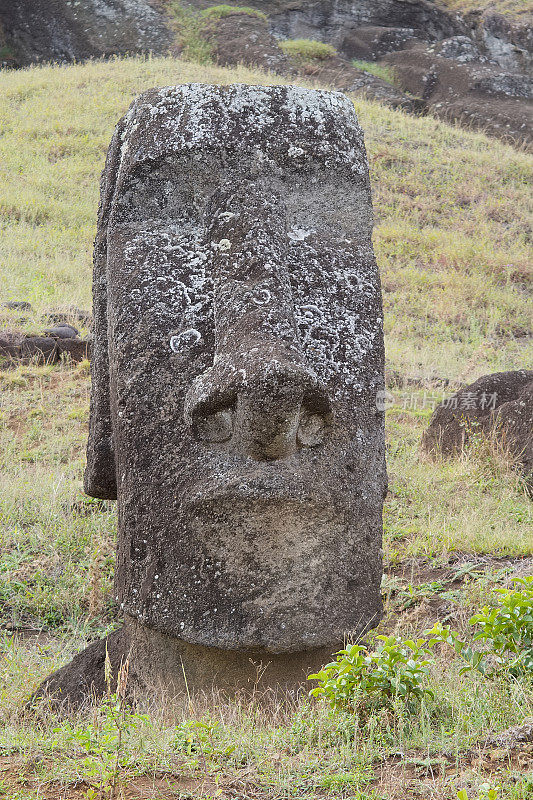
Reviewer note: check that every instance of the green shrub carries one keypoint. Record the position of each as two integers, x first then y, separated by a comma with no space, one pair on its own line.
507,628
360,678
224,10
307,49
379,70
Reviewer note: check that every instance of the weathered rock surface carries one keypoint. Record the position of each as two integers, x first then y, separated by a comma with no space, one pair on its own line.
336,21
500,404
238,351
468,91
37,31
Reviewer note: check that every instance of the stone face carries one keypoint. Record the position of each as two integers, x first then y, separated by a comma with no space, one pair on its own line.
237,354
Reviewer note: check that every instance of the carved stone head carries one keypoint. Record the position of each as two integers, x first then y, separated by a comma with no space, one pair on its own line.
238,352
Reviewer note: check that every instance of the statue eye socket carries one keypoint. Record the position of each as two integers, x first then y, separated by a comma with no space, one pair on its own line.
215,427
311,429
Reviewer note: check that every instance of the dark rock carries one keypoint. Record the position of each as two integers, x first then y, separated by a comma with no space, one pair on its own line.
334,20
62,331
39,31
461,48
245,39
75,349
476,94
10,344
501,403
42,349
17,305
504,40
74,685
250,463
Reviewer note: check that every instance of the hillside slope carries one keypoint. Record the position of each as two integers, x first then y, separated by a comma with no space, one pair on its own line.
452,226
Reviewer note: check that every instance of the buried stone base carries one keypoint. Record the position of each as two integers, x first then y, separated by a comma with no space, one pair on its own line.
164,668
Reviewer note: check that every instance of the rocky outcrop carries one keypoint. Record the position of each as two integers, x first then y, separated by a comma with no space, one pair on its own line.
458,85
336,21
473,69
246,39
39,31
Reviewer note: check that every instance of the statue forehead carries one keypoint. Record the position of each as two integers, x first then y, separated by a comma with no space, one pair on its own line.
259,127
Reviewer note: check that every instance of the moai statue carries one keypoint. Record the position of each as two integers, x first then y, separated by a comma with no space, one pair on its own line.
237,362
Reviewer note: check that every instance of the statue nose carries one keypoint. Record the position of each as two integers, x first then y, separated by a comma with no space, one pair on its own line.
279,412
259,395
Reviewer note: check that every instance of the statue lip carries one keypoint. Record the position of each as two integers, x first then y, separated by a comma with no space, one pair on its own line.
259,493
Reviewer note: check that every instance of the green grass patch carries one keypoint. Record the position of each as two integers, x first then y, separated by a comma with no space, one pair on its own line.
225,10
307,49
379,70
189,30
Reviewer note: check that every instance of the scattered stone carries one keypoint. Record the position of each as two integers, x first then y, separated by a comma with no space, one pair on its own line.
242,382
514,737
17,305
63,331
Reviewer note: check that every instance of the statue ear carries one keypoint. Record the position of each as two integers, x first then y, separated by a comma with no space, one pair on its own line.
100,474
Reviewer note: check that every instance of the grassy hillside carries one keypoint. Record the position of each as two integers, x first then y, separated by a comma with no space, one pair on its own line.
452,239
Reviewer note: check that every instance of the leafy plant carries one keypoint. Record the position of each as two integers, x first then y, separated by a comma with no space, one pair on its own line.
361,678
102,740
486,793
307,49
507,628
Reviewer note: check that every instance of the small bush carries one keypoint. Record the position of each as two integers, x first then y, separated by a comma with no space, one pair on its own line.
361,679
224,10
507,628
307,49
